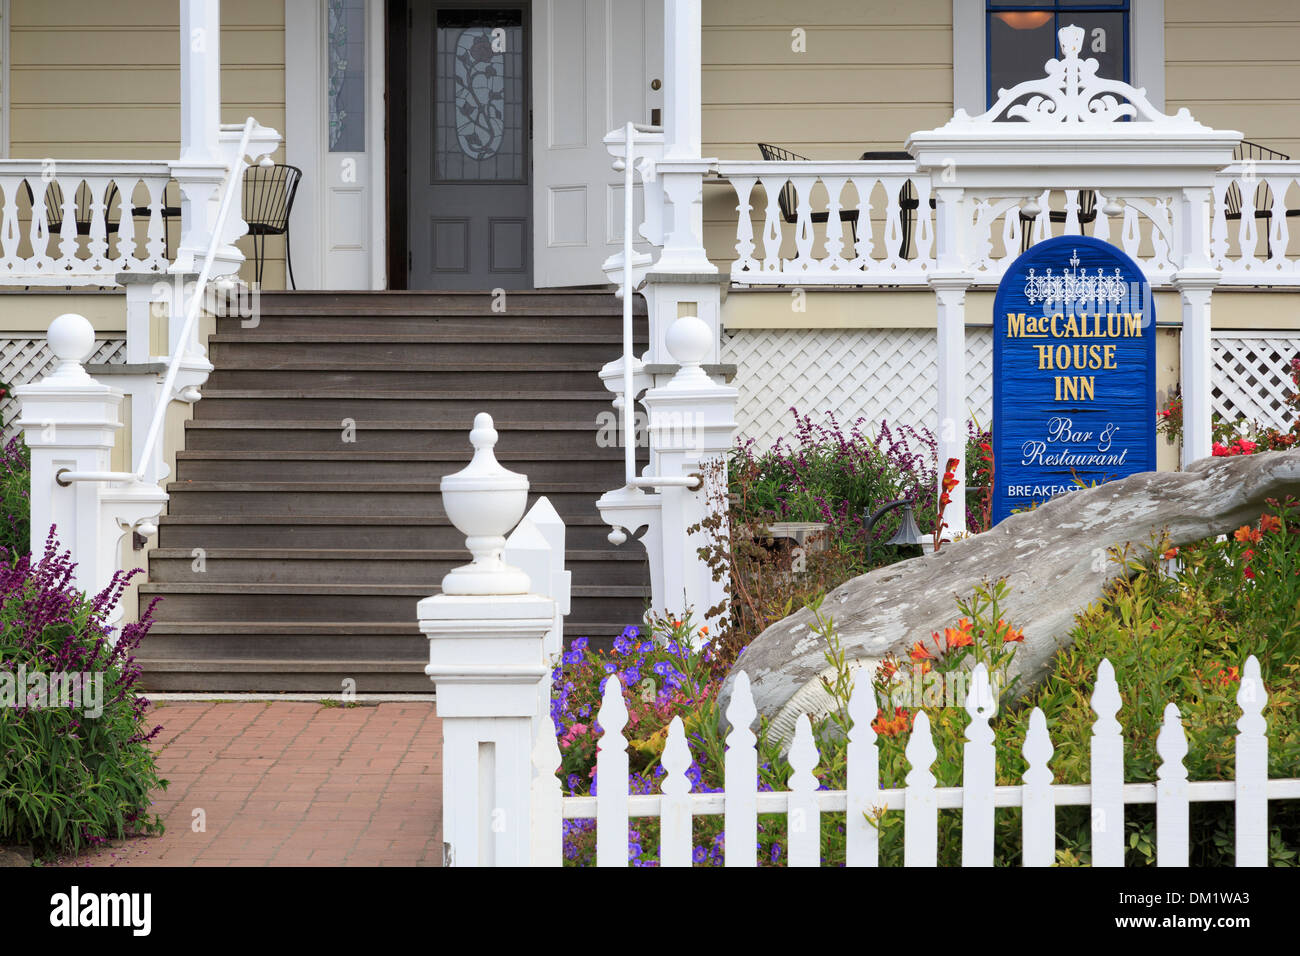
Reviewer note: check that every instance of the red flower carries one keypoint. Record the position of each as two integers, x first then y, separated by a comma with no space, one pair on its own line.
1248,535
1268,523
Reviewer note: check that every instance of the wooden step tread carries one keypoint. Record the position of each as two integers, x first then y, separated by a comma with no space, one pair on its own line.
243,665
401,520
359,487
395,394
334,628
202,454
364,554
446,337
341,590
390,424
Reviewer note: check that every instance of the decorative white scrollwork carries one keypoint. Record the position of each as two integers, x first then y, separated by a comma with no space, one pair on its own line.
1072,92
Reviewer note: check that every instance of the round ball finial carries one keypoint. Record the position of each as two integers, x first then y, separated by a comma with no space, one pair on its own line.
689,340
71,338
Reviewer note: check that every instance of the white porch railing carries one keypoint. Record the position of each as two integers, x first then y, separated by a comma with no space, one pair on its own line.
846,195
887,202
1249,244
920,800
81,222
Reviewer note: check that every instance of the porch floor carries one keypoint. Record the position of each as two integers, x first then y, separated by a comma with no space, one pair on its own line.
292,784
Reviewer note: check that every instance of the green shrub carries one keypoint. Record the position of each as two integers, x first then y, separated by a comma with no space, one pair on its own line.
76,770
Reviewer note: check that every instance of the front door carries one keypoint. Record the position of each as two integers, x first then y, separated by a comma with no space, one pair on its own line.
470,193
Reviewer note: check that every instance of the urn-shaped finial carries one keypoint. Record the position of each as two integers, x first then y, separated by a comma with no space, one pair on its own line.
485,501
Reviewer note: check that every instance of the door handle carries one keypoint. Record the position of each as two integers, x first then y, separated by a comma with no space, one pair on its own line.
656,84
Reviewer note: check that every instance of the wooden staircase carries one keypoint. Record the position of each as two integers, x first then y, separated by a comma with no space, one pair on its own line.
305,522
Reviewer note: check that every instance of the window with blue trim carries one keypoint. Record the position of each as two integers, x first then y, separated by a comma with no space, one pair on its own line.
1021,37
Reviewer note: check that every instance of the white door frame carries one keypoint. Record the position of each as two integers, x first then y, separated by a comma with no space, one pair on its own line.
305,128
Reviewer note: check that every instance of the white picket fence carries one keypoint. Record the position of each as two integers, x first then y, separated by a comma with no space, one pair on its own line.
921,800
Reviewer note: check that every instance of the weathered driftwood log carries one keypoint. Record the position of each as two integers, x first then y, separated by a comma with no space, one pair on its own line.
1054,560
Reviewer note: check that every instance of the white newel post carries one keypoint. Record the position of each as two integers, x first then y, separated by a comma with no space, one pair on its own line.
692,425
70,423
1195,282
487,655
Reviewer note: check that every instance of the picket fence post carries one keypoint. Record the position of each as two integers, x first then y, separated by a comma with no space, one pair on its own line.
740,779
1251,769
611,778
1107,772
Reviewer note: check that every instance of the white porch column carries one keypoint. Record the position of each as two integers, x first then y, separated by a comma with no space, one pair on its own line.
1195,282
683,45
1196,290
950,282
199,169
682,168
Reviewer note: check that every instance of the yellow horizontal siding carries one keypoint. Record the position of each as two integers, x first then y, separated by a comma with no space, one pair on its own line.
99,80
1237,66
872,72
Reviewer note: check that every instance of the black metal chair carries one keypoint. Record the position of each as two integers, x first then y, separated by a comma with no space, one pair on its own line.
81,213
1087,214
788,201
1244,152
268,200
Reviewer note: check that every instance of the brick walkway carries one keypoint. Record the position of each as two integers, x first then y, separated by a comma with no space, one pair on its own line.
292,784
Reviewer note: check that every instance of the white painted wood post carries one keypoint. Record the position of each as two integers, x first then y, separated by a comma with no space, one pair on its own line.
611,778
920,807
978,776
862,842
682,168
1251,770
70,423
803,821
675,810
199,170
692,421
740,779
1038,823
1195,281
950,293
1196,362
546,807
486,658
1171,792
536,547
1107,772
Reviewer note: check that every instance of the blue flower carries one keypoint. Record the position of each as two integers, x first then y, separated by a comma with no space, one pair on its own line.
776,852
578,644
646,647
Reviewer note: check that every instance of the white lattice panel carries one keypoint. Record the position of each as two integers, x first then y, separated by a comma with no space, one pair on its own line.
873,374
1249,377
25,360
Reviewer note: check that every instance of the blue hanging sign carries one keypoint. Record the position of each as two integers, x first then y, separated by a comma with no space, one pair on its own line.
1074,372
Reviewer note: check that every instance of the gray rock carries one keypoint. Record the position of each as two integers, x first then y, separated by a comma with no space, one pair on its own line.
1054,560
15,856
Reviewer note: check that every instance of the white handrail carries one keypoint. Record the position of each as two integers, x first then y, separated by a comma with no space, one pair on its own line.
234,182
